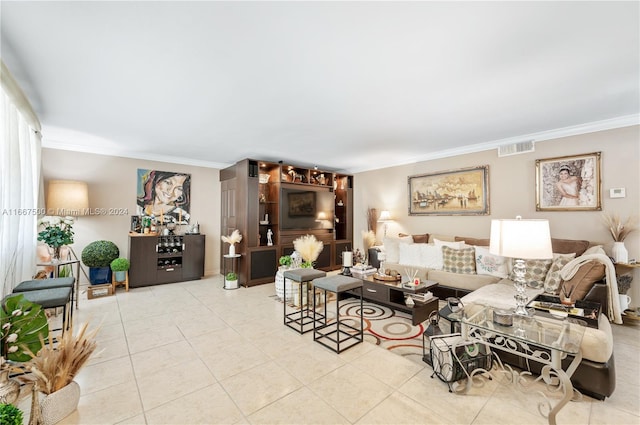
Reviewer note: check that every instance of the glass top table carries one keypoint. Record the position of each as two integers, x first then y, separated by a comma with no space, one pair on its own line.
560,334
542,339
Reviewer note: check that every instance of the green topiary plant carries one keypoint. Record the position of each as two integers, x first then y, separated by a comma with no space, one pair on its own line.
99,254
285,260
232,276
10,414
120,265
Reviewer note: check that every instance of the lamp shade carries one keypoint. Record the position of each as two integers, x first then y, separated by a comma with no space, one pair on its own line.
66,197
525,239
385,216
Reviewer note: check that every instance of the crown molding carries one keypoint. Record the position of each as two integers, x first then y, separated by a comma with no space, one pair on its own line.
592,127
53,136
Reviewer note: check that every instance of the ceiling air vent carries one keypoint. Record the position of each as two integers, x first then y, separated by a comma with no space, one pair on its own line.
515,148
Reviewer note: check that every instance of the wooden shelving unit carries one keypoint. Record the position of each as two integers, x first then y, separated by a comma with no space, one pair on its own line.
258,196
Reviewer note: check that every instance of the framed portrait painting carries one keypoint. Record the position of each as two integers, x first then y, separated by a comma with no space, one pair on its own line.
457,192
166,195
569,183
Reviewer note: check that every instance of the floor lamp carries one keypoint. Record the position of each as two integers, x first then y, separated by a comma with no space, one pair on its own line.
521,240
67,197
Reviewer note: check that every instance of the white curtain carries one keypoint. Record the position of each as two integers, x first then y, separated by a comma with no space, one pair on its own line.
19,182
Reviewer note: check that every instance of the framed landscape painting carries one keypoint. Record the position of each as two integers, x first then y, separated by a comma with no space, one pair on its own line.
569,183
302,204
457,192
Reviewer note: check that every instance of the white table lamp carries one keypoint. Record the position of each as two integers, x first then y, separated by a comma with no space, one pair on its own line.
521,240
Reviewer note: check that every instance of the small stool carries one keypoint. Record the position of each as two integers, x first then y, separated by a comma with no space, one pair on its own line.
52,298
337,284
39,284
301,318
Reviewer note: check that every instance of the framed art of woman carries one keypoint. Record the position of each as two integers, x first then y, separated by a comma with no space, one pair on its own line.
569,183
165,195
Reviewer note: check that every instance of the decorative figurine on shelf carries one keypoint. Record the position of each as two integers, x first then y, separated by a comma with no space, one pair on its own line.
269,238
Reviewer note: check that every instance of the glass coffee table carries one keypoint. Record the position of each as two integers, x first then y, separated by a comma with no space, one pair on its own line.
546,340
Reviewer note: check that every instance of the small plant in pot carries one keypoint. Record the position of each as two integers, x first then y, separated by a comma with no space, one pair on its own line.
98,256
231,281
119,267
10,414
285,262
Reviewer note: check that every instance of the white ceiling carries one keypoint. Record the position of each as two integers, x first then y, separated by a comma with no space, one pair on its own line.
342,85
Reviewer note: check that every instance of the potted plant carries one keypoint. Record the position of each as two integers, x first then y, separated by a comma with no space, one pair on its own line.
285,261
231,281
56,233
119,267
98,256
10,414
53,369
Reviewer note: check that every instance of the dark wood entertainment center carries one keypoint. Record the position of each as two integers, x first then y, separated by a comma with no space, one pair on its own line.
291,201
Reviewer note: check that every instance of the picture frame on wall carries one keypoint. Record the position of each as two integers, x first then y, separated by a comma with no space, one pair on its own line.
569,183
302,204
455,192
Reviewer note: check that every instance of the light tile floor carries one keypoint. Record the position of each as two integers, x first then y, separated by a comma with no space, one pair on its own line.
194,353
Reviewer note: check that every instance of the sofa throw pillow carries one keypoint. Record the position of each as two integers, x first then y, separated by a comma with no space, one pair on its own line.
417,238
391,248
440,243
553,280
461,261
587,275
536,272
473,241
489,264
409,254
431,256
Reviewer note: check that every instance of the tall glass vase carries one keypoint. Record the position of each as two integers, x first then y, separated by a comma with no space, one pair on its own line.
55,253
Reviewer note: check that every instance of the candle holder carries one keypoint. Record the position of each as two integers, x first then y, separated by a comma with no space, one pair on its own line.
347,263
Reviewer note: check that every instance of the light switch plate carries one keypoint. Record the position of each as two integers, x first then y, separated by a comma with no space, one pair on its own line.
618,192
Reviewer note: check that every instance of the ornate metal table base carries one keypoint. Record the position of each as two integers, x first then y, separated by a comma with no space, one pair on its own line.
541,341
554,379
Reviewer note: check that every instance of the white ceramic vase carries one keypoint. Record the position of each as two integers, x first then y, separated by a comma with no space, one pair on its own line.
619,253
60,404
232,249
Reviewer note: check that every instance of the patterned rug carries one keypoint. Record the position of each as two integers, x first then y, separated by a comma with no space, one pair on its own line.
383,326
386,328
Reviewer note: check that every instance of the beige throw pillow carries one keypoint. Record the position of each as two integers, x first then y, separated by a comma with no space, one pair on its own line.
461,261
536,272
553,280
587,275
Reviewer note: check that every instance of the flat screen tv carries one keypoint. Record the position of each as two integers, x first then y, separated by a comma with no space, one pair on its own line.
306,209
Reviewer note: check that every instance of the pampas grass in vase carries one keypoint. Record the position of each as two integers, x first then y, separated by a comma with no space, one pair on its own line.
56,365
234,238
309,249
619,231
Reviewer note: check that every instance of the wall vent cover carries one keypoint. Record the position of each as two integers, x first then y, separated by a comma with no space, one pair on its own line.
516,148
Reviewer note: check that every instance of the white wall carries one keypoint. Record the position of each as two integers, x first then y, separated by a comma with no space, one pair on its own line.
112,184
512,192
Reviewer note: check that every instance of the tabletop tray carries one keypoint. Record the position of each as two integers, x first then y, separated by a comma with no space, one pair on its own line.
386,278
587,310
